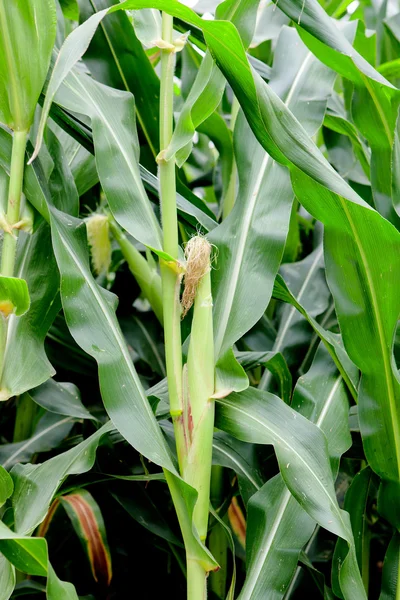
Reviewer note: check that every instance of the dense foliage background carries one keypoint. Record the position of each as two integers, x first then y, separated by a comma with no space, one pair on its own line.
287,153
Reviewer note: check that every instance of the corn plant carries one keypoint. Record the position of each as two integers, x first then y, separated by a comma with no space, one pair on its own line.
200,256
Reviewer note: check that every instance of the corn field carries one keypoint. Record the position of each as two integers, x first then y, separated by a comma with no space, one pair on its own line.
199,299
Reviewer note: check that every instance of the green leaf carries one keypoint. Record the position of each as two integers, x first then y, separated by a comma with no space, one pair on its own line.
6,486
241,458
391,576
208,87
27,36
112,115
25,342
70,9
60,398
29,555
306,280
90,315
35,485
241,267
275,363
88,523
356,503
116,58
341,125
14,296
57,589
273,548
300,447
48,434
7,578
332,341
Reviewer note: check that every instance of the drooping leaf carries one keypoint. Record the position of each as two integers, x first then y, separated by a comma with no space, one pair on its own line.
60,398
274,547
35,485
88,523
306,281
96,331
332,341
48,434
275,363
240,264
300,447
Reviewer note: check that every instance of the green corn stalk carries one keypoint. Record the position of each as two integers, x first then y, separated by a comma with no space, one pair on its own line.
190,388
145,274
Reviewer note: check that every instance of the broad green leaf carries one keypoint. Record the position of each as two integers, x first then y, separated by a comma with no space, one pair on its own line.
112,115
372,265
332,341
26,334
36,485
29,555
7,578
88,523
241,458
274,548
116,58
376,101
90,315
300,447
275,363
277,529
27,36
207,89
239,265
48,434
341,125
57,589
60,398
306,280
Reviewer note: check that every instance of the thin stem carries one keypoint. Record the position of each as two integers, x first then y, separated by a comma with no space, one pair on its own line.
147,277
24,418
14,202
170,276
217,540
